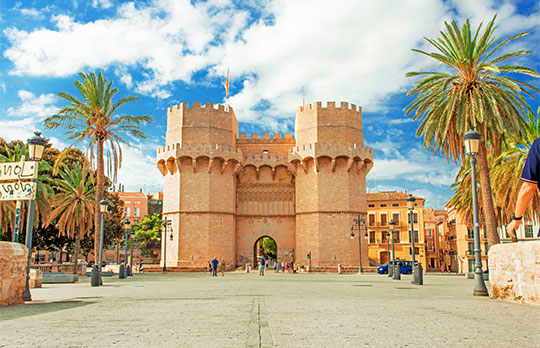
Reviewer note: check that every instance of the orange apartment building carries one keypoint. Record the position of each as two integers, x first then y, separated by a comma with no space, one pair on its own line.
384,207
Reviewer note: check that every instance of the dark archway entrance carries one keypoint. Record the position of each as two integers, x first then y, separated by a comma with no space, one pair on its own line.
264,246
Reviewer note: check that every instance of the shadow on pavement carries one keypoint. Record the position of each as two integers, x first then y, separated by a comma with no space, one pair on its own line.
35,308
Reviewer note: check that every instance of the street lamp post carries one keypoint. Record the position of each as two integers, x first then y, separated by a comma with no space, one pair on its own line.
130,269
396,273
103,207
410,206
36,145
166,223
472,143
388,249
358,221
123,270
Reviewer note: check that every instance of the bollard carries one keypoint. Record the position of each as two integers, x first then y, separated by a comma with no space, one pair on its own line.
397,273
129,271
390,270
94,276
339,268
121,272
418,275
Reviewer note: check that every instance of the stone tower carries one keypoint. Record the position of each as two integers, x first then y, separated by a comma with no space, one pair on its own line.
199,192
225,192
331,165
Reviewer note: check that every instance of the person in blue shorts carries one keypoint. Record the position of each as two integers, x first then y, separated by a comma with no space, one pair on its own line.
530,177
262,264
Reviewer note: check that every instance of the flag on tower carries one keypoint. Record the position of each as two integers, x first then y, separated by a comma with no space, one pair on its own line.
227,85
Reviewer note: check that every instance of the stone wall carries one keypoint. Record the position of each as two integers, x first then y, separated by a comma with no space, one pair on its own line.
13,258
514,272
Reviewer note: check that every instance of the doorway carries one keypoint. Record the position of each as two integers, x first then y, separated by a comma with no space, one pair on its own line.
383,257
265,247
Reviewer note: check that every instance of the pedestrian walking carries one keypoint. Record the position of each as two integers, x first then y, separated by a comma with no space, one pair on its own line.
223,265
283,266
215,264
262,263
530,177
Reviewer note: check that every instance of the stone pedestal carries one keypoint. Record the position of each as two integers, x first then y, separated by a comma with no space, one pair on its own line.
514,272
13,258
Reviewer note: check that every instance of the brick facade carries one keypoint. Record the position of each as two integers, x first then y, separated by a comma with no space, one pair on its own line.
224,191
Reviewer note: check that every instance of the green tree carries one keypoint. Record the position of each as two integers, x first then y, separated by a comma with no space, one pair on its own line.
148,234
73,204
94,119
478,91
269,247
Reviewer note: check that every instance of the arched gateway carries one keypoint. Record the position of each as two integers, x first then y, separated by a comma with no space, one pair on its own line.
224,191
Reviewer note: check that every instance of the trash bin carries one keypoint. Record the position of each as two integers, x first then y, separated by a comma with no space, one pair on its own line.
397,273
419,274
390,271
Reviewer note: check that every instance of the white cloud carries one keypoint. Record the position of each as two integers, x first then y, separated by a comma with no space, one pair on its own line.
139,168
41,106
101,3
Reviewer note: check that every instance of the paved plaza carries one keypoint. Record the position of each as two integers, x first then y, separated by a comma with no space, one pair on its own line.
278,310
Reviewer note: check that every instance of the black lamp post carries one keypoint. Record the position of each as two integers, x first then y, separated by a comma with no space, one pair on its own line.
388,248
396,273
103,207
123,267
359,222
472,144
166,223
410,206
36,145
130,269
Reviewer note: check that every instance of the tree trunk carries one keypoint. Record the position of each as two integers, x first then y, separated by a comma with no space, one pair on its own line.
99,196
487,196
77,250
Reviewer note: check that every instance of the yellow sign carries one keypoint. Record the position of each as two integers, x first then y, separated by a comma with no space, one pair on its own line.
17,191
18,170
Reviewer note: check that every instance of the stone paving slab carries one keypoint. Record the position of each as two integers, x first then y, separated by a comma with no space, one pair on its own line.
278,310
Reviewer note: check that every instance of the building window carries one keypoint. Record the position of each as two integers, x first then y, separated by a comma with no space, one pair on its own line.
137,212
371,220
396,237
415,217
471,265
471,248
371,205
383,236
383,220
372,237
383,205
265,152
395,217
430,246
137,202
415,250
395,204
529,231
486,247
415,236
127,211
429,233
127,202
470,233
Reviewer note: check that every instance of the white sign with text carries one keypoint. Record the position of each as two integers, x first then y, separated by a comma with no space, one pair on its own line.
18,170
17,191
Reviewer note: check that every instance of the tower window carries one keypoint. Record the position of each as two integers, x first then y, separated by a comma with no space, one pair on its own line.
265,152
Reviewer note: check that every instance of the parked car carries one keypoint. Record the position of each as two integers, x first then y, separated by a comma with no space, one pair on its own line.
405,267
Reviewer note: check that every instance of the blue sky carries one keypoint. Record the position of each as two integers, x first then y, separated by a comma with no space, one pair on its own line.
278,52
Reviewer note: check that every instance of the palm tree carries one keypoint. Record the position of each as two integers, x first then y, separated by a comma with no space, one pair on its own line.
510,164
94,119
74,204
472,93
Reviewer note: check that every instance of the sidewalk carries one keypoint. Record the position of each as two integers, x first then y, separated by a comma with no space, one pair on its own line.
277,310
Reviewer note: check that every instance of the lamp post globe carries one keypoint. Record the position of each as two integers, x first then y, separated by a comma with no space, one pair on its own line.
36,145
472,144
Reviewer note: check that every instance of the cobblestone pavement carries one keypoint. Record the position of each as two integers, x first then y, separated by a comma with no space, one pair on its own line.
278,310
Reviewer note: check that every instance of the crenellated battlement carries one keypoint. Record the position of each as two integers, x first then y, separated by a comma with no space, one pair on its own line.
329,106
265,136
198,147
198,107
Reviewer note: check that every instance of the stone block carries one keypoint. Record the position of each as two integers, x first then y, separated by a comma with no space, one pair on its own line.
13,258
36,278
514,272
